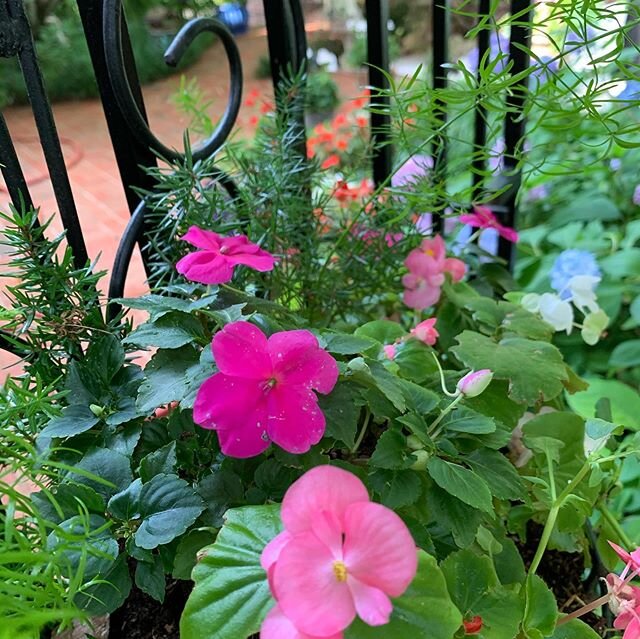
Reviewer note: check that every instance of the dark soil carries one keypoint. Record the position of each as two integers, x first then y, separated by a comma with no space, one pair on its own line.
564,573
142,617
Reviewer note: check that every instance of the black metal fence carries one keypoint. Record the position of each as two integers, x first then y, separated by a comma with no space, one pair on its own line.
135,146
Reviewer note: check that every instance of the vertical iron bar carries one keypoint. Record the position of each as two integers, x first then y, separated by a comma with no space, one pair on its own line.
131,155
12,171
440,36
478,165
514,126
288,53
49,139
378,59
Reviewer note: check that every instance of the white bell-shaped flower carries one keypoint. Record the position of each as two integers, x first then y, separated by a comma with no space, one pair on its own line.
556,311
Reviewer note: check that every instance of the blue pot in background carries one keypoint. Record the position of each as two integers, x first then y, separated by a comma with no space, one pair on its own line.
235,16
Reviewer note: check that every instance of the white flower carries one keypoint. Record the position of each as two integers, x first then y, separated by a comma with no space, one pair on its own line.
582,289
557,312
531,302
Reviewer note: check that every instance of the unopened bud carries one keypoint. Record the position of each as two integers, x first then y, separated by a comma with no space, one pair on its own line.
475,382
96,410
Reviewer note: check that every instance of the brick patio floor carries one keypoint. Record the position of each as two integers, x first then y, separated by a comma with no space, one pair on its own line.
91,164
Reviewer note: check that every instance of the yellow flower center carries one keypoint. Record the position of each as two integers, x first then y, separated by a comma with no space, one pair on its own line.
429,252
340,571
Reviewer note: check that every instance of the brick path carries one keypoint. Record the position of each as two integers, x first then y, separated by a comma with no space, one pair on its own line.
92,169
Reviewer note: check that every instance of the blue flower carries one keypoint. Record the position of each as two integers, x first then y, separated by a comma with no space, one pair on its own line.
570,263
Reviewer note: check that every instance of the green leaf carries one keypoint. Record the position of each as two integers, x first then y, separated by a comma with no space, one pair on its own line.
110,472
168,506
160,462
73,421
219,491
231,596
341,413
466,420
165,378
382,331
424,610
495,403
626,354
469,577
501,611
415,361
541,610
149,578
625,401
109,591
420,399
124,441
461,483
186,552
621,264
541,378
391,451
345,344
453,515
170,331
159,305
574,629
499,473
390,386
396,488
126,504
230,314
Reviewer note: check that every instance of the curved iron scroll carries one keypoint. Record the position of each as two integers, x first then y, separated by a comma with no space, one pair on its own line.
122,89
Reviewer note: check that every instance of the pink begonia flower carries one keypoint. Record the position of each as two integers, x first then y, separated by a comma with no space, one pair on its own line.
218,256
264,390
389,350
631,559
427,265
482,217
339,556
426,331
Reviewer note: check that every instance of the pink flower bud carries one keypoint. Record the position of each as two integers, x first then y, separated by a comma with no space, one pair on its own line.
389,350
475,382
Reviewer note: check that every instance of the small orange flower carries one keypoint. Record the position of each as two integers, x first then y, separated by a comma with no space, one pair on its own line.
342,144
267,107
331,161
340,120
362,121
253,120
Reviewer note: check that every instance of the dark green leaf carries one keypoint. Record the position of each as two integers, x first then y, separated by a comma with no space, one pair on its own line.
150,578
168,506
110,472
159,305
396,488
469,578
541,609
170,331
461,483
341,412
126,504
453,516
162,461
186,553
345,344
391,451
466,420
499,473
382,331
73,421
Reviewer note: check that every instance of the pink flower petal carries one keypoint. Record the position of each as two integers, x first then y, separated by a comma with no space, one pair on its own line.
323,488
299,360
240,349
421,297
456,267
259,261
295,421
633,629
309,593
621,552
509,234
272,550
378,548
422,264
202,239
206,267
372,605
277,626
237,409
470,219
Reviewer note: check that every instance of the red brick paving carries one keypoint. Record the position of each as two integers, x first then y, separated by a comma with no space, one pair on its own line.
91,164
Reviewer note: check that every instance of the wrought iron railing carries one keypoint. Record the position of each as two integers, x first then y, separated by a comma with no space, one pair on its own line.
136,147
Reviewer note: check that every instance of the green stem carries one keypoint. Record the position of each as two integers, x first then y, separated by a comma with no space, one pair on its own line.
613,522
553,515
431,431
362,432
231,289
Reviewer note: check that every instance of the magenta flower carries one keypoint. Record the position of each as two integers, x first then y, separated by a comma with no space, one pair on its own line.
264,390
426,331
483,218
427,265
339,556
218,256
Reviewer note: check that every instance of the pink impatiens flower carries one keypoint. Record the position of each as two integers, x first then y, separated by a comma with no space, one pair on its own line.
426,331
340,556
264,390
218,256
482,217
427,265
